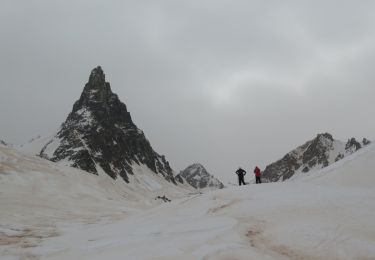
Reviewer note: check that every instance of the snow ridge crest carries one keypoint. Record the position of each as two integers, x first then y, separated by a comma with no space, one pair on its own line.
314,155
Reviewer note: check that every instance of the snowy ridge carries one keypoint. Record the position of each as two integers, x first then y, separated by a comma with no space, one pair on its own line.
17,167
36,195
354,170
311,157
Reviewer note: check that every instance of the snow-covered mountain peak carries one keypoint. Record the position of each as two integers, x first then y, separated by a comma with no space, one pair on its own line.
324,140
197,167
314,155
353,145
100,136
198,177
98,97
365,141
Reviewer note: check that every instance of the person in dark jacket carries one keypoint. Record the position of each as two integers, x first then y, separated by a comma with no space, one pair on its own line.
241,176
257,175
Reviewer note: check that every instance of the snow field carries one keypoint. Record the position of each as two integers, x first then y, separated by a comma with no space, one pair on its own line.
50,212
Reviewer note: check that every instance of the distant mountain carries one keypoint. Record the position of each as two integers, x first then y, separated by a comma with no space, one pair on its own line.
99,135
198,177
3,143
312,156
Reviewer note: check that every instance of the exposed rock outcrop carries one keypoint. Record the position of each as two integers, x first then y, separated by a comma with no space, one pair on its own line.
99,134
313,155
198,177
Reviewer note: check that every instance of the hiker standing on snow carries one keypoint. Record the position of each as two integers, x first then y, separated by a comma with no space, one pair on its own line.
257,175
241,176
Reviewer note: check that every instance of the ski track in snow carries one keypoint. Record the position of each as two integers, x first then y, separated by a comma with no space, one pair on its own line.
71,215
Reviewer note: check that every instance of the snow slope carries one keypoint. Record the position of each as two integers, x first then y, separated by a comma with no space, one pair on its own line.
37,195
312,156
356,170
322,216
34,145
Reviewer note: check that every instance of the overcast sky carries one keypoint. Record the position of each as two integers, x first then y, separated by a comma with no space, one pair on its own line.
223,83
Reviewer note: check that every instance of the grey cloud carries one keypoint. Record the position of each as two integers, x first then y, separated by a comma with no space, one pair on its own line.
224,83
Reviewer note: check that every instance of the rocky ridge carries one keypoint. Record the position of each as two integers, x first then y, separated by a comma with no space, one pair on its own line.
198,177
312,156
99,135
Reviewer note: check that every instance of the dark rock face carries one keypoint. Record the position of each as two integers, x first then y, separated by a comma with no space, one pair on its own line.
282,169
3,143
100,132
352,144
316,152
313,155
365,142
302,158
339,157
198,177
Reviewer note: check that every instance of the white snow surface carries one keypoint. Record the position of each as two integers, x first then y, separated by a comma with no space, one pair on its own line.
54,212
35,145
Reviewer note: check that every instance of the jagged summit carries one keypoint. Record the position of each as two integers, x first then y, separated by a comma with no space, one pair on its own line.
314,155
97,76
197,166
97,89
198,177
324,136
98,96
99,134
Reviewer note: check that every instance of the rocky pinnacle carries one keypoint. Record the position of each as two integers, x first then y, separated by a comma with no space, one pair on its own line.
99,134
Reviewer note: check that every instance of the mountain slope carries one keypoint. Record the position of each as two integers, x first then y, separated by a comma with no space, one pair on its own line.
36,195
310,157
198,177
355,170
315,217
99,134
35,177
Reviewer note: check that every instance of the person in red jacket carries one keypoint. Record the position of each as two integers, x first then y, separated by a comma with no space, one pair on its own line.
257,175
